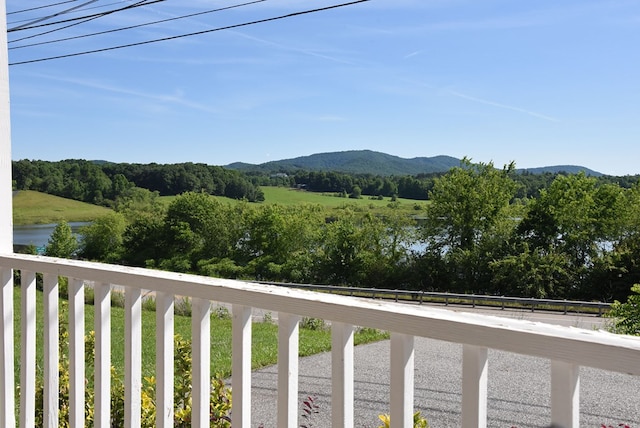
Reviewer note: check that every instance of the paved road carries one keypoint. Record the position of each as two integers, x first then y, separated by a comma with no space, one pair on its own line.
519,387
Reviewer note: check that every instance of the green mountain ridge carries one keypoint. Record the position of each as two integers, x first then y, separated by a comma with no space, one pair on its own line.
377,163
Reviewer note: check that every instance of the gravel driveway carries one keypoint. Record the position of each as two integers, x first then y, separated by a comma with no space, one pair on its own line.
519,386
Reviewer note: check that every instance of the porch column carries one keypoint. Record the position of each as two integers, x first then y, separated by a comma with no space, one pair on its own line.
6,207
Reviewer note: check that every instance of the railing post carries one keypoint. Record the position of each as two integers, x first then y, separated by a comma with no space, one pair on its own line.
402,379
474,387
164,360
342,375
51,350
288,328
7,377
565,395
76,353
27,349
201,352
132,357
102,366
241,366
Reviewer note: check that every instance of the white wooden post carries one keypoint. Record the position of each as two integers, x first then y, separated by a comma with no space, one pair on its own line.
201,362
342,375
401,383
6,185
7,379
288,328
132,357
474,387
164,360
51,350
102,365
76,353
241,366
565,395
27,349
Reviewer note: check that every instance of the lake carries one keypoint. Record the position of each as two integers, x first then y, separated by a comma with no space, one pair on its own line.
38,234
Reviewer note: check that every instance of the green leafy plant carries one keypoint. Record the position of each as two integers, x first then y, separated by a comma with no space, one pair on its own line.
418,421
626,315
220,403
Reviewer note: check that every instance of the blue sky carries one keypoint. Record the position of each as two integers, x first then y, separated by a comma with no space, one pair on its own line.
538,82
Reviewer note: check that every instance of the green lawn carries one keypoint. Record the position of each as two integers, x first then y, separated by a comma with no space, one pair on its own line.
264,337
30,207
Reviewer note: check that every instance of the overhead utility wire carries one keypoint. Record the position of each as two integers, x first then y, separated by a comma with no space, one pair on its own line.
132,26
24,27
40,7
245,24
68,1
44,18
138,4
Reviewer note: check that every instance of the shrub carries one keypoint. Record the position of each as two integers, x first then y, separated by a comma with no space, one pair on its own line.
220,403
627,315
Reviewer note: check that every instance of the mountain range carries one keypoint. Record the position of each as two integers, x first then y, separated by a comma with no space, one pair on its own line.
377,163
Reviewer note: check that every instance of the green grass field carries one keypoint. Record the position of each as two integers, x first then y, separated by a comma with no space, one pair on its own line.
264,337
31,207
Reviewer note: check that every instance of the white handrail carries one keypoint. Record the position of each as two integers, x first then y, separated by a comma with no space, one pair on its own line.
567,348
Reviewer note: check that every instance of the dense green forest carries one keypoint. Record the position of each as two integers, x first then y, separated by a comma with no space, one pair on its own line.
577,238
103,183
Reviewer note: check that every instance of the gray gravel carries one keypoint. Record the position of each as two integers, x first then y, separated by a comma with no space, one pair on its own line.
519,387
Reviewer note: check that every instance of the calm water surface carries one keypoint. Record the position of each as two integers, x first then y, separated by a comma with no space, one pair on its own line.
38,234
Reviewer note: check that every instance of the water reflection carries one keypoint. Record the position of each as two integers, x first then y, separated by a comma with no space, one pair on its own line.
38,234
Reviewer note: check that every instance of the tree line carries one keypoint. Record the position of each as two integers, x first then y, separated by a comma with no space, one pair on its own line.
103,183
578,239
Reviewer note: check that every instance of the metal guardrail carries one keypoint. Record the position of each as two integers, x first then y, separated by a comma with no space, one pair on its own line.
564,306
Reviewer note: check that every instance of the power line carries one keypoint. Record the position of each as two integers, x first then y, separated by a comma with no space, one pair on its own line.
129,27
64,12
100,15
24,27
68,1
259,21
40,7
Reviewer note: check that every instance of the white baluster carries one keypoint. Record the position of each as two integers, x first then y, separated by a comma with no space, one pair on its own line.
76,353
288,327
241,376
402,371
102,326
51,350
474,387
7,379
565,395
28,349
132,357
201,352
342,375
164,360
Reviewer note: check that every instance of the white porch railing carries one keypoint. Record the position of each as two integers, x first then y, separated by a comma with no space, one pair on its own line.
568,349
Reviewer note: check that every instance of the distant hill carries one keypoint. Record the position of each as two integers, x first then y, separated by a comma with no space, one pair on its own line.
569,169
355,162
376,163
